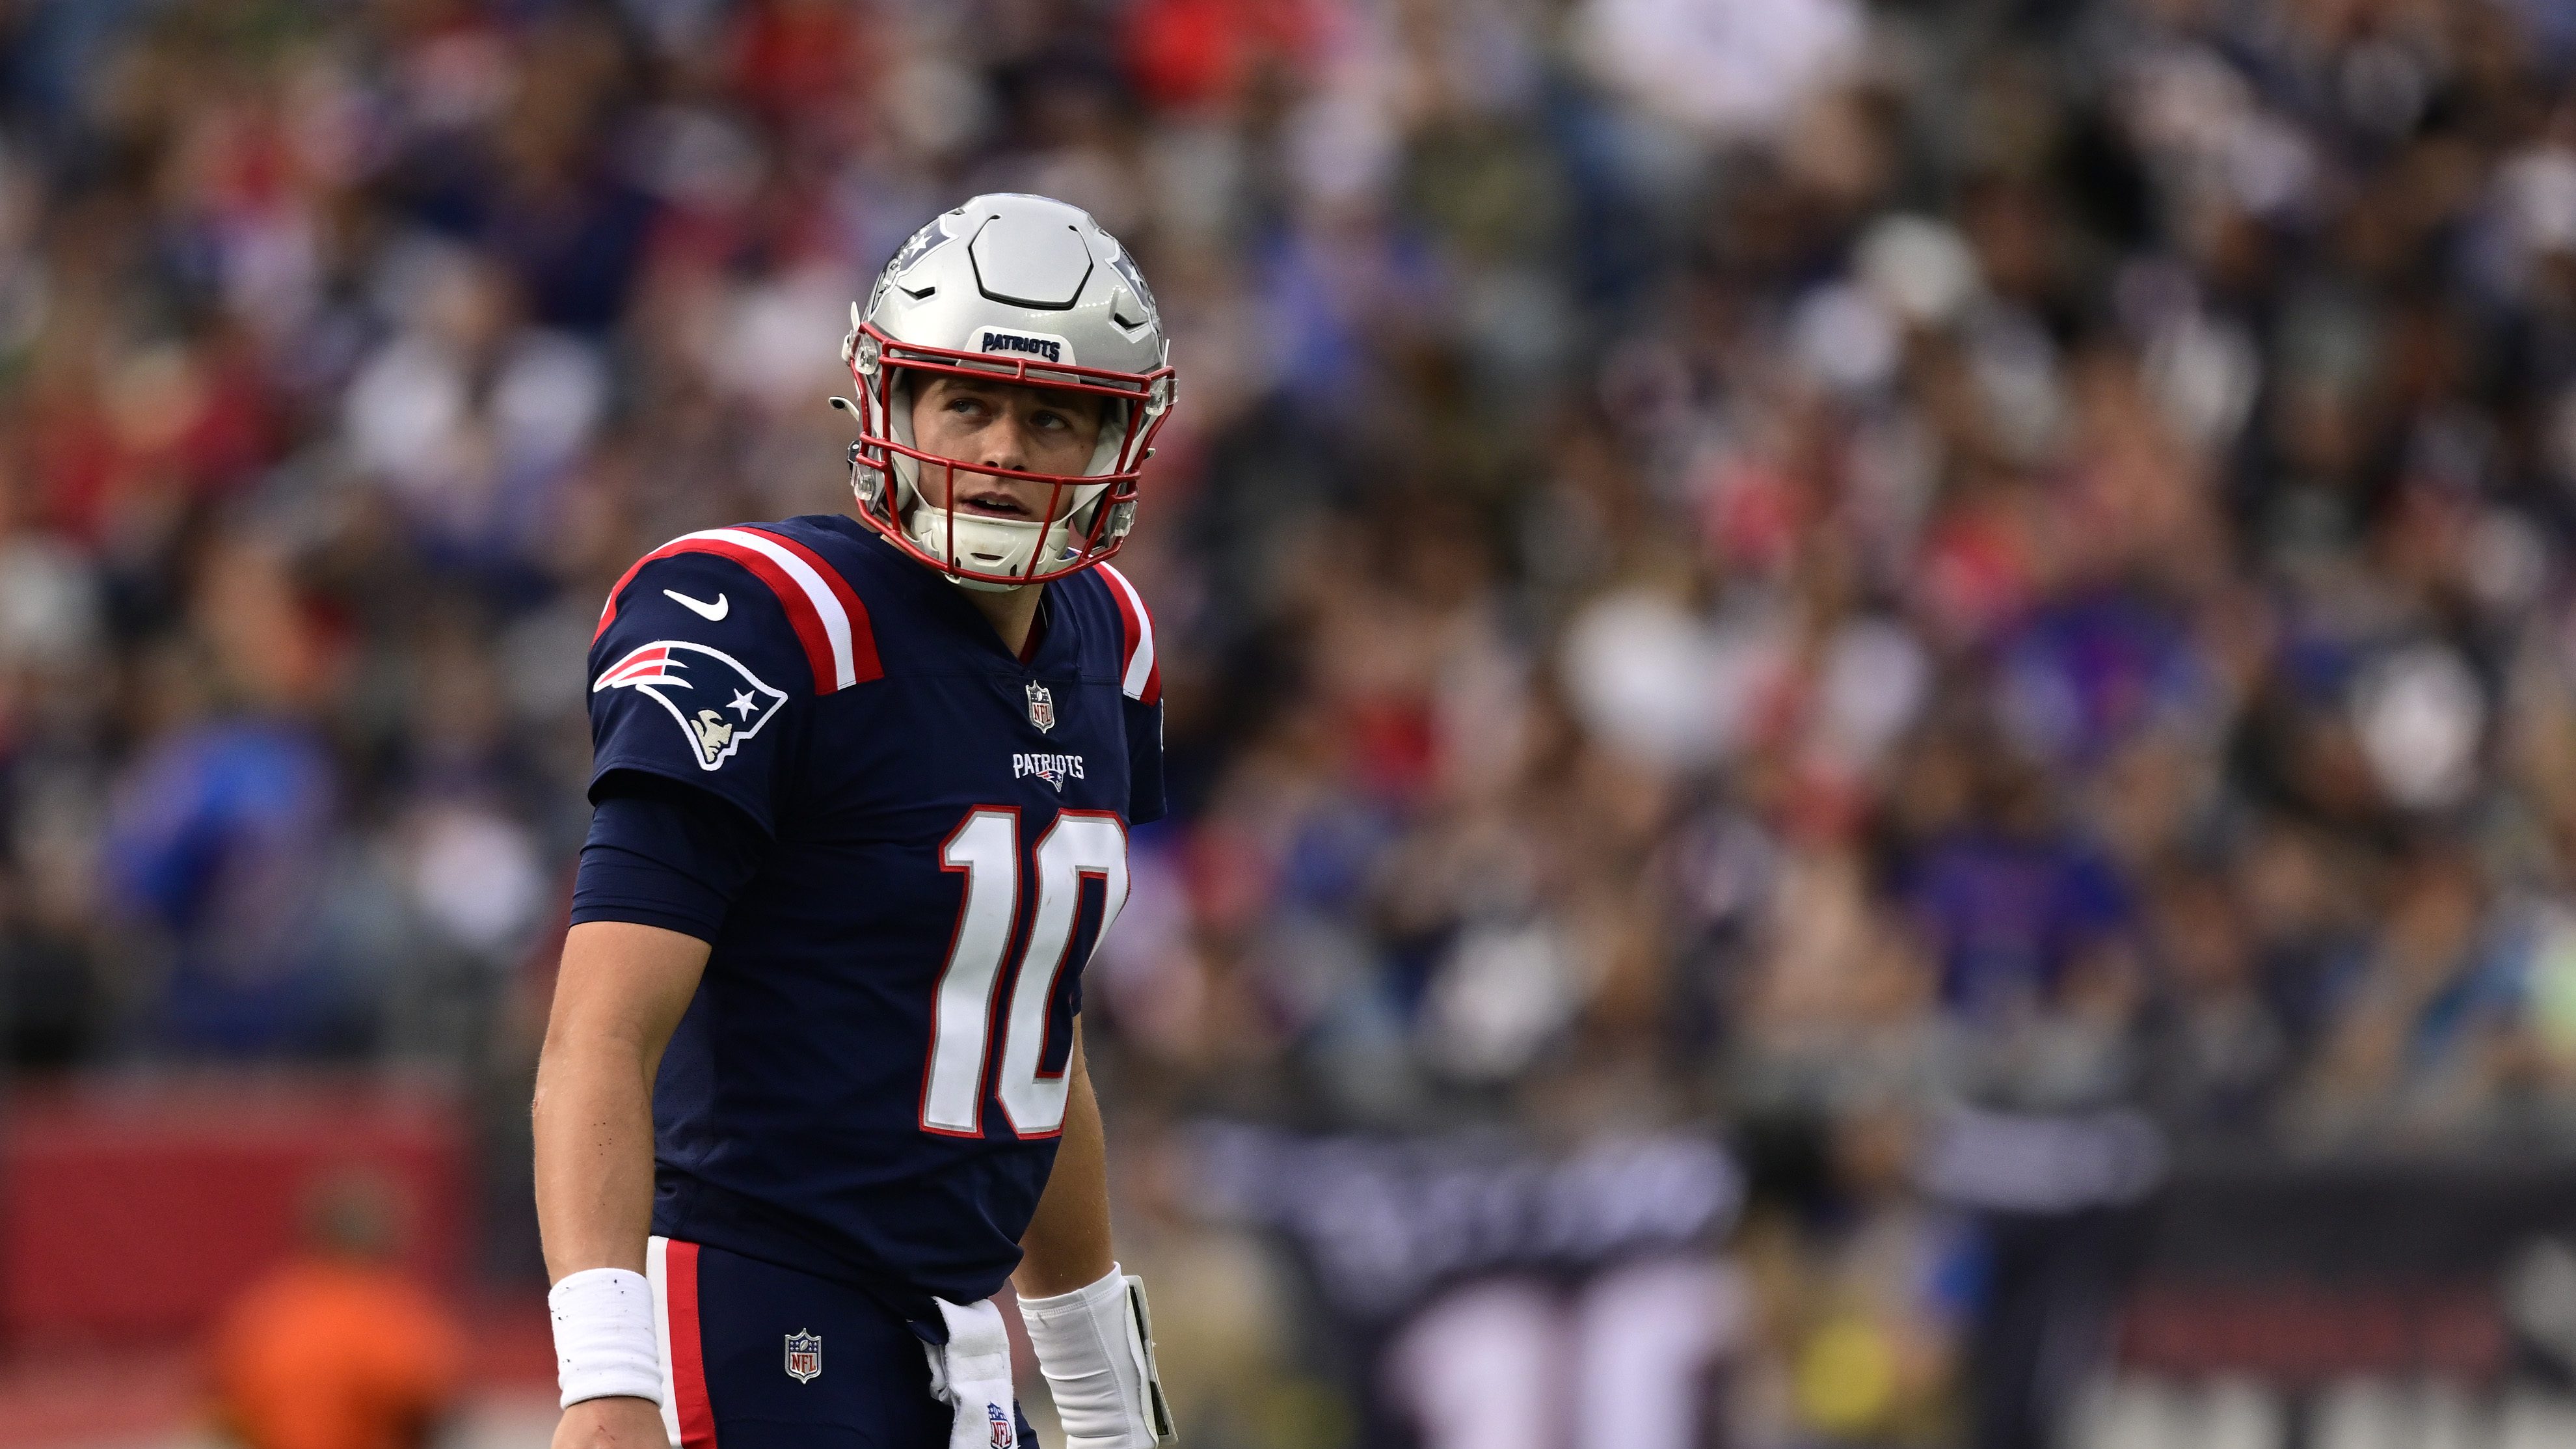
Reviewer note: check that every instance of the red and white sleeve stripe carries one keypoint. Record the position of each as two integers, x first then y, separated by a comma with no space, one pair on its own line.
1141,678
829,620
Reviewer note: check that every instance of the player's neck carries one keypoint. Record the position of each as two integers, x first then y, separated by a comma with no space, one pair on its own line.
1011,612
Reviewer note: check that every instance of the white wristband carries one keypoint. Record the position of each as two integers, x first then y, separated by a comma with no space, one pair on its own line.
604,1344
1095,1346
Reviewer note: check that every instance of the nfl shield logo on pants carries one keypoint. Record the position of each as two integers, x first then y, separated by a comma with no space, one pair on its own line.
804,1356
1041,708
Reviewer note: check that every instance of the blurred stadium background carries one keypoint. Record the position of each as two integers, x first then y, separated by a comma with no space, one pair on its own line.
1873,705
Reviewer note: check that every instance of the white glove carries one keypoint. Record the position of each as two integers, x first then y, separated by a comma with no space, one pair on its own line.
971,1372
1096,1348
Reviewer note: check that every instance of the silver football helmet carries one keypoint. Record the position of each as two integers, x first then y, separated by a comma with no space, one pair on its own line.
1027,290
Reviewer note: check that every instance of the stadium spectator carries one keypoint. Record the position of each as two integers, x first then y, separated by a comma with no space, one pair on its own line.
335,1349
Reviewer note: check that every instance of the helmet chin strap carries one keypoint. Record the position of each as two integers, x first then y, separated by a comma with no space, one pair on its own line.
982,586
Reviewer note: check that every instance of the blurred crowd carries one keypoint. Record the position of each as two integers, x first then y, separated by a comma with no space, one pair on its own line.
1774,561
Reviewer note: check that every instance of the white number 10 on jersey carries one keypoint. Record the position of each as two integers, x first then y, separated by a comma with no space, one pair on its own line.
986,846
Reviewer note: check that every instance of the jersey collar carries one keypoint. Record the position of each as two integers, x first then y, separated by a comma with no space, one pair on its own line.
1053,637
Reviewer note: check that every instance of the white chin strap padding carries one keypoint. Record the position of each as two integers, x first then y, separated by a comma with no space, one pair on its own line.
986,545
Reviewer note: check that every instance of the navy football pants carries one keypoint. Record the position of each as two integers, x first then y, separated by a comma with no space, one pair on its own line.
728,1378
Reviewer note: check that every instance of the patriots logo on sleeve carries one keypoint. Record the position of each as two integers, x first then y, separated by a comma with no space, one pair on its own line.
717,701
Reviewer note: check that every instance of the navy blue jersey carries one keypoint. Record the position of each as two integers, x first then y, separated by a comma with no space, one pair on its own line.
871,1078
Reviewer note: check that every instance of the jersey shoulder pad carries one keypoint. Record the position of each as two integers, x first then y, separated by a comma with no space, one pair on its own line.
829,624
1140,676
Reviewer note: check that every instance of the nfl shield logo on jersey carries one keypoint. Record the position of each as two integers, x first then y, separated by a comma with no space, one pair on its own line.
804,1356
1041,708
1005,1433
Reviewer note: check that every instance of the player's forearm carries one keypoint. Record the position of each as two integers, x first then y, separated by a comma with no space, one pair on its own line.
1067,1245
594,1140
620,992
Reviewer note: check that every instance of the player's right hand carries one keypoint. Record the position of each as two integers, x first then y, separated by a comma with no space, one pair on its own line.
612,1423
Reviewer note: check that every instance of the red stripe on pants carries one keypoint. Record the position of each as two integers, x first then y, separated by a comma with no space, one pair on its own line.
688,1357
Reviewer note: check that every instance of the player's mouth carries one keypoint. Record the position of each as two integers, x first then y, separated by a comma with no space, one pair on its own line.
994,505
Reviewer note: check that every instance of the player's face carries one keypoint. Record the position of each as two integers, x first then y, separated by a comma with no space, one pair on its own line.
1003,425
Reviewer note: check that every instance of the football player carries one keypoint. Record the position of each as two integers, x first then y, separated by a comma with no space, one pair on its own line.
813,1085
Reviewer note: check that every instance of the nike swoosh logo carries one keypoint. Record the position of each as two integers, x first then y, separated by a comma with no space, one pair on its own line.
712,613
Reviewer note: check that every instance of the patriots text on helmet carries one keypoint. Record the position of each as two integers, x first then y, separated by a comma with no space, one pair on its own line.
993,339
